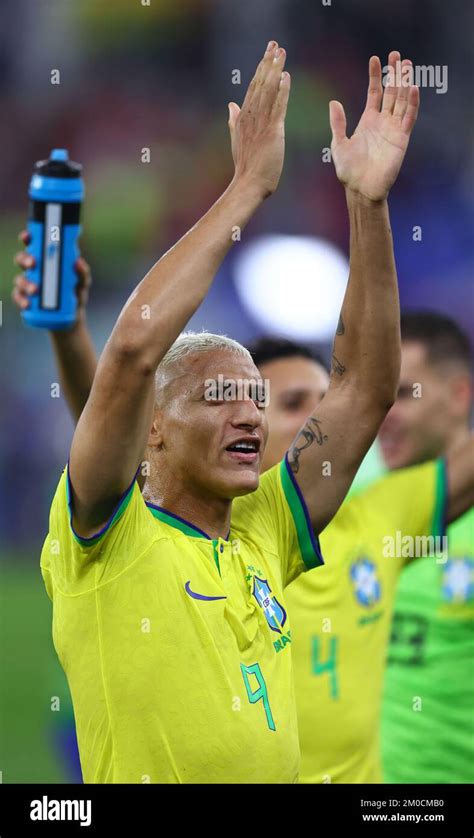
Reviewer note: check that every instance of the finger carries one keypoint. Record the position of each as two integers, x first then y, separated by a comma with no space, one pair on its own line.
83,271
234,111
259,72
375,91
268,79
20,300
24,286
266,62
337,121
401,101
24,260
390,92
24,237
281,102
411,113
271,82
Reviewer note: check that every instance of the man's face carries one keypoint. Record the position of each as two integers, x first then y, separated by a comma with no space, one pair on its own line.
296,386
198,434
419,425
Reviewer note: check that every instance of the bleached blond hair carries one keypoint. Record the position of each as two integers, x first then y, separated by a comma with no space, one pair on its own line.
188,343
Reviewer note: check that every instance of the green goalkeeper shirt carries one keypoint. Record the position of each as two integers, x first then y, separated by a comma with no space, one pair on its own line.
428,709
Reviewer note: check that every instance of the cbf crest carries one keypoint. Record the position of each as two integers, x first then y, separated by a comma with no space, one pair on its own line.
366,584
275,614
458,580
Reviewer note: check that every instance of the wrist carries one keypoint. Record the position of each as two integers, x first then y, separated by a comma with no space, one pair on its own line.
358,199
61,335
247,190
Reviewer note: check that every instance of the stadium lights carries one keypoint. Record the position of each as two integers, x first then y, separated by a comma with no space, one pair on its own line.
292,285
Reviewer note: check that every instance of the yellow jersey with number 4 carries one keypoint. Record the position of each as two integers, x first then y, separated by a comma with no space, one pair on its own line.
175,645
341,619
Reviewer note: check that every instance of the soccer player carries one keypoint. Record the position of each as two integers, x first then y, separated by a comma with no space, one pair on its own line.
165,612
428,716
341,615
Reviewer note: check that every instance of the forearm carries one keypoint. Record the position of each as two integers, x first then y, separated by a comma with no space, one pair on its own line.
367,344
76,361
176,285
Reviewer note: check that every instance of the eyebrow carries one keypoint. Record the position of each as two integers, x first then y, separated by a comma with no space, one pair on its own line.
296,391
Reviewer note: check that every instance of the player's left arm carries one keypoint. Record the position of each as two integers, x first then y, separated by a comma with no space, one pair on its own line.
460,479
366,357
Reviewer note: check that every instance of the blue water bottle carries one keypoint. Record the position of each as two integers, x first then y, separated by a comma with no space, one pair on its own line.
56,193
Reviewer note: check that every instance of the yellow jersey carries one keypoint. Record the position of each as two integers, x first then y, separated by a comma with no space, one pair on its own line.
176,646
341,619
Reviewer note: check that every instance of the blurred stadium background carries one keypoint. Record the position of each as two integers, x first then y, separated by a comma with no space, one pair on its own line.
134,76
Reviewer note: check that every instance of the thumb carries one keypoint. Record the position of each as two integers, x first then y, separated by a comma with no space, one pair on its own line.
337,121
234,111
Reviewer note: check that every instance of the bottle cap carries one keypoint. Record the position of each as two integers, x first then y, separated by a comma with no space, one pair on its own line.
58,166
59,154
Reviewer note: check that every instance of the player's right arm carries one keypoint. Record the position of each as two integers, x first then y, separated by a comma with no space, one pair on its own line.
417,500
113,429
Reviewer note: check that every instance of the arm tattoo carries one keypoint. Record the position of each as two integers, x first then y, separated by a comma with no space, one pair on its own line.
338,366
310,433
340,326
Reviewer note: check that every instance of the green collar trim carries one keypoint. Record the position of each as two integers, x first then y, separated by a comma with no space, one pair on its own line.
178,523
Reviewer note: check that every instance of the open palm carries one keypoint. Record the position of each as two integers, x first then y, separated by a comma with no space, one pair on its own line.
370,160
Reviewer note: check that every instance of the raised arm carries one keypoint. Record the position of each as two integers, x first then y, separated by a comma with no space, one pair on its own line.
366,356
73,348
113,429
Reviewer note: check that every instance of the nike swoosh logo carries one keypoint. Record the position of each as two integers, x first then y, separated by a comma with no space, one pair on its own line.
194,595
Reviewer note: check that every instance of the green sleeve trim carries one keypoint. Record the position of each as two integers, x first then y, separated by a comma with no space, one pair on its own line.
438,526
119,510
307,539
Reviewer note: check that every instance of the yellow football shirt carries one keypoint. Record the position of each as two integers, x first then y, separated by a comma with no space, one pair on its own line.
341,618
176,647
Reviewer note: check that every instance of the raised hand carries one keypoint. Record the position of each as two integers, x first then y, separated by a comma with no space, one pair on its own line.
370,160
23,288
257,129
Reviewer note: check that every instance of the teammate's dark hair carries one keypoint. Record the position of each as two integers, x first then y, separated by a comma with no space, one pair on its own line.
272,349
442,337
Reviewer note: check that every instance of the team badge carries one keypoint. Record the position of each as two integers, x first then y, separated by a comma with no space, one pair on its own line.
275,614
458,580
367,587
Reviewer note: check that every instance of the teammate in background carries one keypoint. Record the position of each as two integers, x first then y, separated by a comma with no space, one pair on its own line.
76,361
428,717
119,562
341,615
298,380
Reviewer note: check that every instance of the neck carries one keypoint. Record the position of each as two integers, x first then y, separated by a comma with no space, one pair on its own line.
211,514
458,437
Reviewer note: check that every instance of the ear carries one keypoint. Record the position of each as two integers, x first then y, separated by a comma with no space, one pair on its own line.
461,392
155,437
